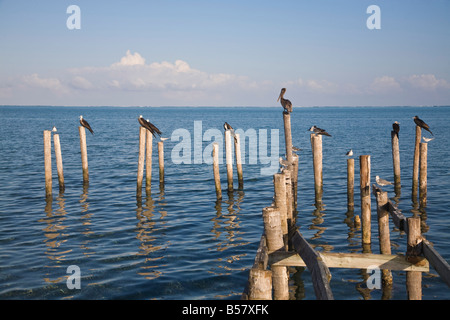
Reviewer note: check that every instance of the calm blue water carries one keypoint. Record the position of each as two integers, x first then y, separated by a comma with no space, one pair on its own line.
178,242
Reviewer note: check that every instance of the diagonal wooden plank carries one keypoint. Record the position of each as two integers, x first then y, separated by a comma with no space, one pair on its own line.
319,271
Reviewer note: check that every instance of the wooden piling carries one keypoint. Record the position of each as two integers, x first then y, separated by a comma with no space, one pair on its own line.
350,183
288,136
274,235
295,181
148,160
141,160
59,163
279,180
364,163
260,284
237,153
84,157
423,175
396,159
216,170
229,160
161,162
289,197
414,249
48,162
415,178
316,146
383,230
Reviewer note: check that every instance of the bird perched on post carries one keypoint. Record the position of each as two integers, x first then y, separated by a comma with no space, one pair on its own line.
54,129
85,124
350,153
227,126
317,130
285,103
422,124
149,126
396,128
382,182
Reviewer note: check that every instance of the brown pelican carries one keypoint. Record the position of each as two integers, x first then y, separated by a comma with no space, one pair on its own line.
149,126
85,124
382,182
396,128
286,104
422,124
317,130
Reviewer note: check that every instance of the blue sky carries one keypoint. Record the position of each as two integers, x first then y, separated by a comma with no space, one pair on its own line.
224,53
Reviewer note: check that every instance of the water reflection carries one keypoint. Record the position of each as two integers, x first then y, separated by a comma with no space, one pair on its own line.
226,231
55,237
149,232
86,219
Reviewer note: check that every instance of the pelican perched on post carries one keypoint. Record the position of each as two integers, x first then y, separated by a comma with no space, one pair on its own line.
317,130
149,126
85,124
285,103
422,124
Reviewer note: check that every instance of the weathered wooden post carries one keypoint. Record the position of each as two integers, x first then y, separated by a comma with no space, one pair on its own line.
364,163
415,178
260,284
414,249
279,180
216,170
229,160
48,162
141,159
295,180
148,160
383,230
237,153
316,146
423,175
396,161
59,163
274,234
84,158
288,136
350,184
290,209
161,162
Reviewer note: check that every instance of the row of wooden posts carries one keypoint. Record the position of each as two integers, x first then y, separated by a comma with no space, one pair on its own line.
282,245
145,156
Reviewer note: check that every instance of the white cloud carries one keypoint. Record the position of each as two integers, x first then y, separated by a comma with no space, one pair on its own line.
427,82
130,60
384,84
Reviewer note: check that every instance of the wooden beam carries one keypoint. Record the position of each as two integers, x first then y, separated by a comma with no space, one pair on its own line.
319,271
352,261
262,256
440,265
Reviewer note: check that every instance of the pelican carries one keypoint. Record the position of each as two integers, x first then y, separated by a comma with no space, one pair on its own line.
317,130
427,139
54,129
149,126
422,124
85,124
382,182
286,104
350,153
396,128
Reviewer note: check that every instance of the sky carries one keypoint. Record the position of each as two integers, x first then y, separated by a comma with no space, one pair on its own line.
225,53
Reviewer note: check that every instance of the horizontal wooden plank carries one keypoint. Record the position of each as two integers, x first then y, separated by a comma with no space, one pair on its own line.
353,261
440,265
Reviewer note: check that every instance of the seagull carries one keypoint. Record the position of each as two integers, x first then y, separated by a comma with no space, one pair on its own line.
85,124
317,130
54,129
227,126
149,126
382,182
396,127
163,139
350,153
422,124
284,163
295,149
285,103
427,139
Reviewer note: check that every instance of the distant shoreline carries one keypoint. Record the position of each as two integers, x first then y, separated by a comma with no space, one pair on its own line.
219,107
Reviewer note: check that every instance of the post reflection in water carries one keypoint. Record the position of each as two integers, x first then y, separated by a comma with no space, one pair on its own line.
55,238
226,231
149,232
86,221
